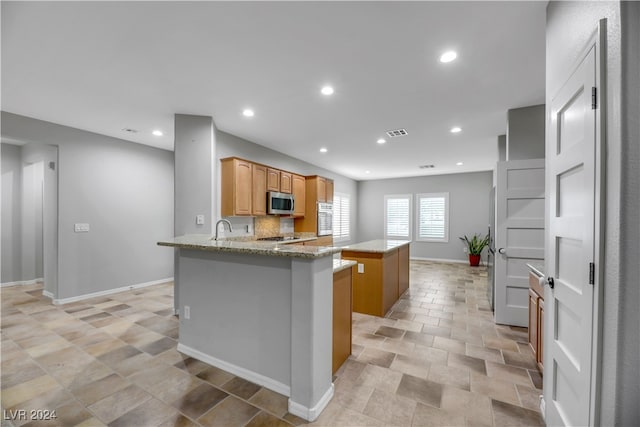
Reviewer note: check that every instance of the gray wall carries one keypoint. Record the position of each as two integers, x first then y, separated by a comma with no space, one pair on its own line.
468,209
11,230
525,133
123,190
194,175
228,145
569,27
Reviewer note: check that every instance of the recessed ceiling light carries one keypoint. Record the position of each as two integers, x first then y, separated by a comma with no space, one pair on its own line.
247,112
367,171
448,56
381,141
157,133
459,164
456,130
323,150
327,90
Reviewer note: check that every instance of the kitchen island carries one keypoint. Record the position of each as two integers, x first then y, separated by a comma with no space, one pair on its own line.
382,275
260,310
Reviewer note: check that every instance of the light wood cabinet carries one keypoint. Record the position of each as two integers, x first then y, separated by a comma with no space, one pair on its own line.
342,312
376,289
273,179
285,182
316,191
259,190
299,193
236,182
403,269
320,241
329,190
536,319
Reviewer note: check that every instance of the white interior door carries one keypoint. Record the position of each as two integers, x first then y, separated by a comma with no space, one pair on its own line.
570,250
519,236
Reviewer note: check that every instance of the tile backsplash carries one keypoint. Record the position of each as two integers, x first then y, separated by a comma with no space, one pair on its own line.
259,226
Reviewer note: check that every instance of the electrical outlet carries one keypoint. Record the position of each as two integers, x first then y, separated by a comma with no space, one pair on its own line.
360,268
81,228
465,250
199,219
187,312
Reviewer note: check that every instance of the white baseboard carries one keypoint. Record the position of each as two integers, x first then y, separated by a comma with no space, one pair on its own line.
310,414
110,291
248,375
543,407
47,294
22,282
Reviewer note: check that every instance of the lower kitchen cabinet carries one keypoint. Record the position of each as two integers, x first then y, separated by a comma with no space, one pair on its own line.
342,310
536,318
320,241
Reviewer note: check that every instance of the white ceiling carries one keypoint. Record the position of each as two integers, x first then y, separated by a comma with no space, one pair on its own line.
107,66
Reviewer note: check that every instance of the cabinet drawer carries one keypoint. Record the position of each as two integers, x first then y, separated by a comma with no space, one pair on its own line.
534,283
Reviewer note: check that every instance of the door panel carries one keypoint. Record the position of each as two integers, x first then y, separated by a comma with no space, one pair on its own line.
519,236
571,177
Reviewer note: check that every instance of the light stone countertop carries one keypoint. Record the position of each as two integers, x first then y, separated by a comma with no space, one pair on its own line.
537,268
342,264
287,248
376,246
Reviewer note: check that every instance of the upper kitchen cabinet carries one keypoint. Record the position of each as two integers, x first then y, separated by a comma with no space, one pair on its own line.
237,180
285,182
324,188
259,190
299,194
273,179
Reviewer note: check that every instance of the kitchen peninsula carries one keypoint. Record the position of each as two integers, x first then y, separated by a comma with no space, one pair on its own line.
260,310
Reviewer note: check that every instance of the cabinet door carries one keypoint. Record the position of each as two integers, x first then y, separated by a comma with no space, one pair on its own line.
285,182
322,189
259,190
342,309
539,358
533,322
329,191
299,193
242,188
273,179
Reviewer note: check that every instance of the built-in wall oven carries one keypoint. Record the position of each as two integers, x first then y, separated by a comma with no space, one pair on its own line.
325,219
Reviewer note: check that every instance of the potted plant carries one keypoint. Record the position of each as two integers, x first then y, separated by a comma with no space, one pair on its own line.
475,245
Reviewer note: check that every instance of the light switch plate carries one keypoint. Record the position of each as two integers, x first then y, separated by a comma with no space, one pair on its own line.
200,219
81,227
360,268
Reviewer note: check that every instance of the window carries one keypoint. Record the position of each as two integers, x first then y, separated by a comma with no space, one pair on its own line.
341,216
397,216
433,217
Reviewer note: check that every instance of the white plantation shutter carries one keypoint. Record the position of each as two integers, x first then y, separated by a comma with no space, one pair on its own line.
397,216
341,216
433,217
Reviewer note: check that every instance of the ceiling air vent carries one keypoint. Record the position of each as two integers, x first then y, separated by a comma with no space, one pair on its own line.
130,130
427,166
396,132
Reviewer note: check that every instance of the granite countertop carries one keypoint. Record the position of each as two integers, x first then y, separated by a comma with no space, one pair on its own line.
376,246
286,248
537,268
342,264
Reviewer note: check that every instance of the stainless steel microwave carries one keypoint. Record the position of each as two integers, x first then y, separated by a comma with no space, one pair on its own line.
280,203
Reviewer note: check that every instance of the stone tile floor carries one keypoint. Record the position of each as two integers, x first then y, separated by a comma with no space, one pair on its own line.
437,359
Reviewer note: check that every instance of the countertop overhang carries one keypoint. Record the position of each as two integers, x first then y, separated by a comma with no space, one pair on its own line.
288,248
376,246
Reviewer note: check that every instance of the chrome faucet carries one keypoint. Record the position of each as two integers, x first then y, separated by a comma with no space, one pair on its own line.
223,221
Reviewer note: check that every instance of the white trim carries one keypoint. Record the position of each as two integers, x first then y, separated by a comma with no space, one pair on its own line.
445,196
409,198
110,291
310,414
22,282
248,375
47,294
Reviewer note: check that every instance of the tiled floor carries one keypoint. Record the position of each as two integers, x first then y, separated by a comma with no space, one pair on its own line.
437,359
